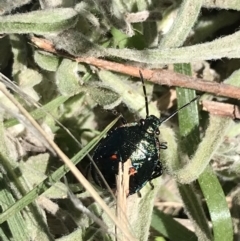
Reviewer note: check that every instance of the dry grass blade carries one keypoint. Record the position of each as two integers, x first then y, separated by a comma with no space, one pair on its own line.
12,106
122,192
52,146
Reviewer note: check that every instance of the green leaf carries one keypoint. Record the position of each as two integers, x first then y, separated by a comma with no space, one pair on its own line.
48,182
17,186
42,111
39,22
182,24
215,49
217,205
188,117
189,132
119,39
212,190
103,96
75,235
140,220
67,78
46,61
195,212
130,96
77,44
16,223
170,228
211,141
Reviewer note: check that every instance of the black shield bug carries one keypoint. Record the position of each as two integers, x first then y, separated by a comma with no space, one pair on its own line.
136,141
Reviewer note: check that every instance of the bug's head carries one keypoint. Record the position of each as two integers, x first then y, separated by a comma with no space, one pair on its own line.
151,124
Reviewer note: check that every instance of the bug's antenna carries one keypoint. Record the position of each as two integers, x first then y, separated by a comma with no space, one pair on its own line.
145,93
175,112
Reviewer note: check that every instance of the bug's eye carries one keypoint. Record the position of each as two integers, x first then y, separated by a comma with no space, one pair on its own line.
114,112
157,132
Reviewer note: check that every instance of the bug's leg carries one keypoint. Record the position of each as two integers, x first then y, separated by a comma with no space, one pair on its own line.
123,120
156,173
163,145
139,194
152,186
158,169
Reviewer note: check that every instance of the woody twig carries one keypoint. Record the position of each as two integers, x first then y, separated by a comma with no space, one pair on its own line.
157,76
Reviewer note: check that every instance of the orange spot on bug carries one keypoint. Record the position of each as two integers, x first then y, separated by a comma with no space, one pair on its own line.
113,157
132,171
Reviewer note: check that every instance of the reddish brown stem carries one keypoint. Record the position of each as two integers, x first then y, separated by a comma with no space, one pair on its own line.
159,76
221,109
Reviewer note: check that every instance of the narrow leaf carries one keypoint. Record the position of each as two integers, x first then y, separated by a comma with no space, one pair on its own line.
59,173
39,22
